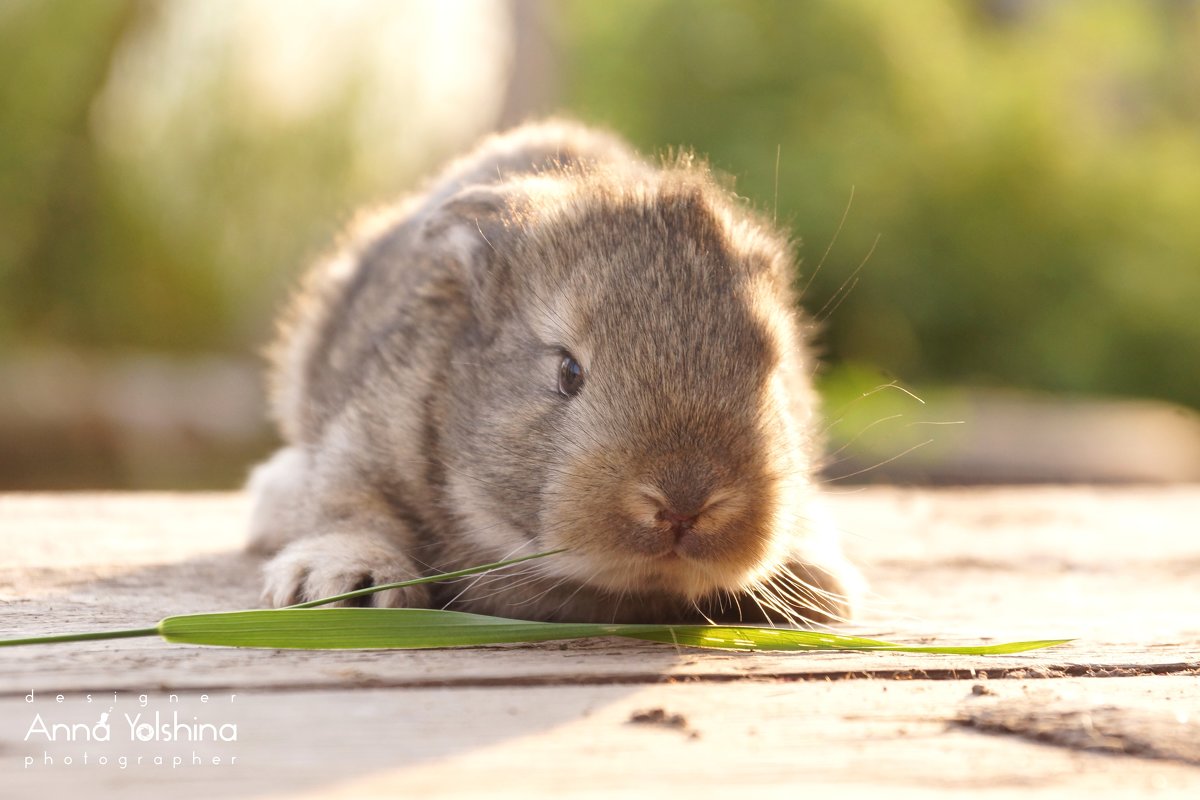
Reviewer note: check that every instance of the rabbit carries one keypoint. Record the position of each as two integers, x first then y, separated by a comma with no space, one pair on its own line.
557,344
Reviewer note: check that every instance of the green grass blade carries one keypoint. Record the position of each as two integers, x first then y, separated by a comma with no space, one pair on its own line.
81,637
303,626
359,628
784,640
414,628
408,628
124,634
443,576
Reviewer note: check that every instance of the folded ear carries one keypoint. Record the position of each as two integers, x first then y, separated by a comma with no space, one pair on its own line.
475,231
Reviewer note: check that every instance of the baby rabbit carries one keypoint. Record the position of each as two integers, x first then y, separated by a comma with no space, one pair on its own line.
555,345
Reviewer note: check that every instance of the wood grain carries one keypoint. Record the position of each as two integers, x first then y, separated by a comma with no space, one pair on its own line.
1117,568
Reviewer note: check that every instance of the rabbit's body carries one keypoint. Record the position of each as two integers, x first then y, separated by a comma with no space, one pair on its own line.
556,345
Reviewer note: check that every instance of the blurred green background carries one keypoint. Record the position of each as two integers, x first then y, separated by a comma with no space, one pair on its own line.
1001,195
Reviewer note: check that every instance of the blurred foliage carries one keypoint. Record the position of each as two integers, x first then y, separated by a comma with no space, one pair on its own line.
1032,169
162,180
81,260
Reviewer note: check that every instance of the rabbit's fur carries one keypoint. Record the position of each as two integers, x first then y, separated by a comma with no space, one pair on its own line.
416,383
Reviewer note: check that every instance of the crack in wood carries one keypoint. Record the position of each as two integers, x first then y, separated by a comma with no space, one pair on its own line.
1106,729
1041,672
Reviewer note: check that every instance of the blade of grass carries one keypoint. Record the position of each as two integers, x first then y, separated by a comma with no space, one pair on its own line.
442,576
303,626
410,628
414,628
155,631
782,639
82,637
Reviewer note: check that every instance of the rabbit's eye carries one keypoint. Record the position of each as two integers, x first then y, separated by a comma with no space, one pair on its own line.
570,377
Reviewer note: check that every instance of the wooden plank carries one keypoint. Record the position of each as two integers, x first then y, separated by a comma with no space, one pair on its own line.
1115,567
537,741
957,566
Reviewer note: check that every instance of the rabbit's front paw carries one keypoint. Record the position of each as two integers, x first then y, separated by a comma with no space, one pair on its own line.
336,563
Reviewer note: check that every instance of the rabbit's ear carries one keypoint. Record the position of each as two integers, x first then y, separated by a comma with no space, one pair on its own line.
477,230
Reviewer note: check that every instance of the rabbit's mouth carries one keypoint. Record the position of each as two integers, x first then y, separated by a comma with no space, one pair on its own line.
671,571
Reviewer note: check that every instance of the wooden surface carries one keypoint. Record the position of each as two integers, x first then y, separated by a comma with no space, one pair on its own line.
1116,713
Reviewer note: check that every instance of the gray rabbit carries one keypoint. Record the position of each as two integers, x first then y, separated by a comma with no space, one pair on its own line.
556,345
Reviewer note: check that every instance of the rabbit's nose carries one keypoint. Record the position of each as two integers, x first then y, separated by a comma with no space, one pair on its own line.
680,524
